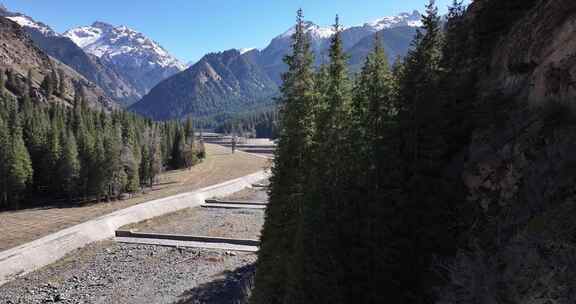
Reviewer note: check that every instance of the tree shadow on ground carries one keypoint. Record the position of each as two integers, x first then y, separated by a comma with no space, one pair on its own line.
234,288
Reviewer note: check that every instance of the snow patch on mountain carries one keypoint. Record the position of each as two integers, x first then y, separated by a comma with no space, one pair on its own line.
318,33
314,30
246,50
404,19
84,36
25,21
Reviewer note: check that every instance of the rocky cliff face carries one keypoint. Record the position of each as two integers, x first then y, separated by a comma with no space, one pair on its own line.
529,85
537,59
521,165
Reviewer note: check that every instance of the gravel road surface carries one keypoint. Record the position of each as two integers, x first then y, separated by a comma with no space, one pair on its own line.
108,272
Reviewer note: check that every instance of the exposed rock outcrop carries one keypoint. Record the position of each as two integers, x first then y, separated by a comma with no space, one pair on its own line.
521,164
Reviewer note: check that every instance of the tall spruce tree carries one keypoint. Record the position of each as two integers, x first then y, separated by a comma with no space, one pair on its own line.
320,231
289,171
177,157
2,83
69,166
429,196
115,176
19,173
53,152
4,158
367,265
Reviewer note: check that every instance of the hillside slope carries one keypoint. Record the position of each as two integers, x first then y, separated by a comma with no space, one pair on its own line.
19,57
65,51
219,82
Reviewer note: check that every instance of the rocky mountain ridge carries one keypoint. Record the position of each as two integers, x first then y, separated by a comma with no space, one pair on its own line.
139,59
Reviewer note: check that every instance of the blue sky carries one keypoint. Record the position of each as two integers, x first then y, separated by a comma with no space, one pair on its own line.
191,28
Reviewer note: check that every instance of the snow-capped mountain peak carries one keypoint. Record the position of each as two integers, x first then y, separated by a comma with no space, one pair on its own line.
404,19
105,40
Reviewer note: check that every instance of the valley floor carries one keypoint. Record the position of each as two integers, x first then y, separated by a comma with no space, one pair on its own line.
110,272
19,227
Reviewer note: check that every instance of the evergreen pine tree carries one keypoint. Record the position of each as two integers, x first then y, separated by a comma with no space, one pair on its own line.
2,84
189,150
4,165
327,186
100,171
36,127
288,181
428,195
51,157
69,166
131,155
177,151
155,155
115,176
19,173
85,143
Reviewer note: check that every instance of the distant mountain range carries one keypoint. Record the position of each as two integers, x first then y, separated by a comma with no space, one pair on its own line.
136,72
239,79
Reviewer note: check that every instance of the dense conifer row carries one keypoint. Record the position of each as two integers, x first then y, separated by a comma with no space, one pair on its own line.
262,124
73,153
360,203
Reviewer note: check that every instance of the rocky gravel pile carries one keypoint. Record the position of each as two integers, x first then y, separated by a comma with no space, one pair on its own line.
108,272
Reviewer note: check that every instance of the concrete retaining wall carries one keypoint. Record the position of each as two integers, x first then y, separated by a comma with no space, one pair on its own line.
49,249
232,202
188,238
